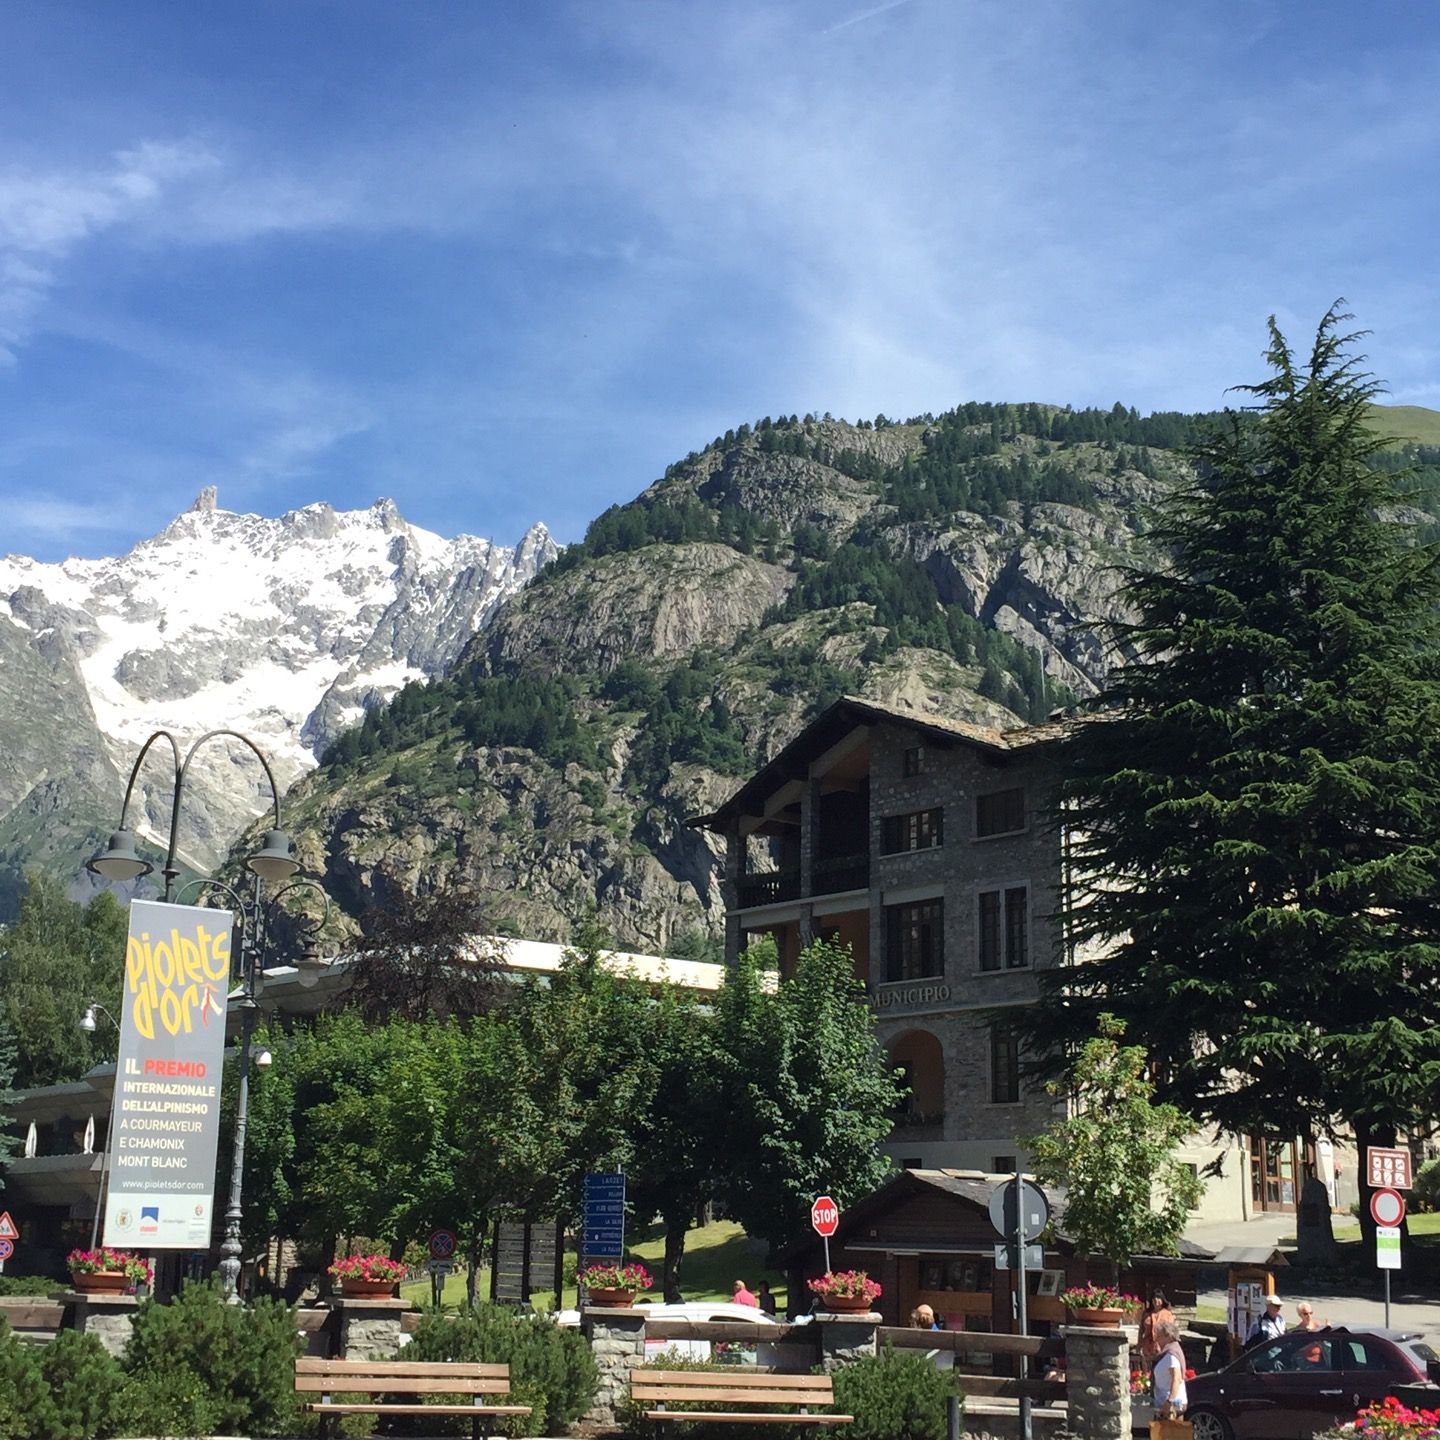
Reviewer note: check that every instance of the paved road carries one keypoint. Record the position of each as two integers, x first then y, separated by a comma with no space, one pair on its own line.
1408,1310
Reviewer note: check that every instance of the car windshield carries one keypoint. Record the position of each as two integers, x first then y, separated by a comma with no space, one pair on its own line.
1421,1351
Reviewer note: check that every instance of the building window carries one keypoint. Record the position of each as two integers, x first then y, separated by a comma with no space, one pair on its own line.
1004,1066
915,940
924,830
913,762
1000,813
1002,1165
1003,924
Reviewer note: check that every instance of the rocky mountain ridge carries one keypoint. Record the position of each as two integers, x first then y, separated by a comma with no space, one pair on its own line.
285,629
696,629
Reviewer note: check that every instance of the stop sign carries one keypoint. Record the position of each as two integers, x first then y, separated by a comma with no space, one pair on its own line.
825,1216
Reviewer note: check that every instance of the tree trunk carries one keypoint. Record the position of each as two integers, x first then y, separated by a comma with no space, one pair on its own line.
677,1224
475,1254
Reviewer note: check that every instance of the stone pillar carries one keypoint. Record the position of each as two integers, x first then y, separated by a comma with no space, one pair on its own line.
845,1338
107,1317
1097,1381
617,1341
735,845
809,836
369,1329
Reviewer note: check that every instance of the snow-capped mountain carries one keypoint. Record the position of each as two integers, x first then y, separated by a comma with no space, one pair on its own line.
281,629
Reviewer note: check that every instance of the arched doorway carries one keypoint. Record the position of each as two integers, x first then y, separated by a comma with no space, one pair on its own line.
918,1057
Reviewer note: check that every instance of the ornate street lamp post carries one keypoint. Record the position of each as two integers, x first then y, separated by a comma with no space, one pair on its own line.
272,862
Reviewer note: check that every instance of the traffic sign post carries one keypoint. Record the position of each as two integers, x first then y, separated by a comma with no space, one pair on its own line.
442,1245
9,1230
1387,1210
603,1236
825,1217
1020,1212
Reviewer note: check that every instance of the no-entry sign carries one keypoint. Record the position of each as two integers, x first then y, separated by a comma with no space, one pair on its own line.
825,1216
1387,1207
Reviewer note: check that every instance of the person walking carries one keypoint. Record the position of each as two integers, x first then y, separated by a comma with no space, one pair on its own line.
765,1299
1158,1314
1305,1312
1167,1374
742,1296
1270,1326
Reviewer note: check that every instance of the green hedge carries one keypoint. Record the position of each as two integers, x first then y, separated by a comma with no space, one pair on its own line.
551,1368
195,1366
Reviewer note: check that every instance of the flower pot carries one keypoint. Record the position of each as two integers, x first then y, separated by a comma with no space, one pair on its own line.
610,1299
358,1289
845,1304
1108,1319
99,1282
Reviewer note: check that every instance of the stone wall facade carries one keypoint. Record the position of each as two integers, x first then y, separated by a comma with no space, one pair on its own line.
617,1341
908,771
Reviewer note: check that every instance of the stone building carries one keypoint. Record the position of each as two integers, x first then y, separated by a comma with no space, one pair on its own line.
924,845
928,847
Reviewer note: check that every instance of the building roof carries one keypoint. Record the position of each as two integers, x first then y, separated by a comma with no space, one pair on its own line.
793,761
973,1187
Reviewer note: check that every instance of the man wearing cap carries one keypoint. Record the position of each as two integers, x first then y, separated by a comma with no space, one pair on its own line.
1270,1326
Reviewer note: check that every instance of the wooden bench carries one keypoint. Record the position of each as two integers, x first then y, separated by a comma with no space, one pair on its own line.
656,1388
378,1378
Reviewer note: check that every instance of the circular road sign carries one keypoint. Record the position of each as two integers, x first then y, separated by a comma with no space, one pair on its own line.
1387,1207
1029,1200
442,1244
7,1249
825,1216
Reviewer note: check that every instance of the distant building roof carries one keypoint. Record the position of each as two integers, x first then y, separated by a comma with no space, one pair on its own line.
975,1187
792,762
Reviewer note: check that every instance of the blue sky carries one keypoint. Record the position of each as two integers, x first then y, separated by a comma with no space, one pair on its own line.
504,261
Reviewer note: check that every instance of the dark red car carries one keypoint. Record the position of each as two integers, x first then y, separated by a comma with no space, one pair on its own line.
1307,1380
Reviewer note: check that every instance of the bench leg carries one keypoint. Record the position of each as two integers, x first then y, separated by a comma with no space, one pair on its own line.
474,1427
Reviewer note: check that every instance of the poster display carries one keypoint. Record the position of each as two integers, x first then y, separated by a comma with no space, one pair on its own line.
165,1118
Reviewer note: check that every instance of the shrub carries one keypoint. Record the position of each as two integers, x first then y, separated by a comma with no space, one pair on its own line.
1426,1194
894,1396
28,1284
84,1380
231,1366
551,1369
24,1395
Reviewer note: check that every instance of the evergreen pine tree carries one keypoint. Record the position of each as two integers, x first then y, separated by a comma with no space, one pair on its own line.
1254,811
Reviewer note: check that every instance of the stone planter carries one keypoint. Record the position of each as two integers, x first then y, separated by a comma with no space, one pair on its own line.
845,1304
358,1289
99,1282
1102,1318
610,1299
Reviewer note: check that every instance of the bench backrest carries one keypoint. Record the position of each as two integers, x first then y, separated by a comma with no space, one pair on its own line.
401,1377
746,1387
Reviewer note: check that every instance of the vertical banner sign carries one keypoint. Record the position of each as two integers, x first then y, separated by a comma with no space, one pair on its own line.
165,1119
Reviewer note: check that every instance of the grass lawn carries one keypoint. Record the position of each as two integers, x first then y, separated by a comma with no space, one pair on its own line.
1421,1228
716,1256
1403,423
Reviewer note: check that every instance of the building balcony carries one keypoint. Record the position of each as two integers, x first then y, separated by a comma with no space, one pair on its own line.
918,1125
836,873
774,888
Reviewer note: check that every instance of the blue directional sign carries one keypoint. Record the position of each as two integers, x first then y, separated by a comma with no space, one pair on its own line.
603,1231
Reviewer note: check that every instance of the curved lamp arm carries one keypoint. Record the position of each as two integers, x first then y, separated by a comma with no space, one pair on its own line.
122,862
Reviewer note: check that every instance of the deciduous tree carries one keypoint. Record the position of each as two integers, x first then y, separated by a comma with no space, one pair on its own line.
1126,1193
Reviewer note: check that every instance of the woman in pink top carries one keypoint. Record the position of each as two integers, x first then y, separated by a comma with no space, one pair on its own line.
743,1297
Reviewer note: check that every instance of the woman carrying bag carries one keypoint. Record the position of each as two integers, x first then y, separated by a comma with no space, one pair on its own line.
1167,1383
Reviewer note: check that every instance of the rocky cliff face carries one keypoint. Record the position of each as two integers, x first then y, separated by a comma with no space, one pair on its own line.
697,629
282,629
